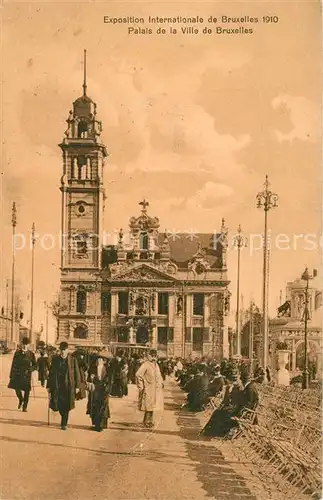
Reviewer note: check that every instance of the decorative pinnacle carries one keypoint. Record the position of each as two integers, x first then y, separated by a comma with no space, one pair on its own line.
84,79
144,205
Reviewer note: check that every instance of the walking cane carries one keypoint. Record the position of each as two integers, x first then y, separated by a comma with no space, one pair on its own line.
48,410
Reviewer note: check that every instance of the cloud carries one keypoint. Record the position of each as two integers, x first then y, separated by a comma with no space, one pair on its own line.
304,117
210,195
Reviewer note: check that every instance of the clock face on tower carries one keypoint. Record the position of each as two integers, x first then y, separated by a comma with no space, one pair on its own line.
81,208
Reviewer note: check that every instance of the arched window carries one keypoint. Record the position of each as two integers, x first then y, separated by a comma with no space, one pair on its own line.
81,301
82,130
144,241
81,332
81,163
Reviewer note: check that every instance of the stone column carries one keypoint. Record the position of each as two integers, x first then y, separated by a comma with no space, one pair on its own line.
206,310
171,309
154,335
225,337
114,307
283,376
293,357
189,309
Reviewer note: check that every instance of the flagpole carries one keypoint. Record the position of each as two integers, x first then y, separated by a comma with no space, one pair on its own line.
7,310
13,223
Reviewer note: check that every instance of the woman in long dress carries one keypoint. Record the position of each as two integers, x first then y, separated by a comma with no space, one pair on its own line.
150,386
100,380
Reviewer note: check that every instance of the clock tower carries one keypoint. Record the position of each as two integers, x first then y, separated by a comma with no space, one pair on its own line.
83,196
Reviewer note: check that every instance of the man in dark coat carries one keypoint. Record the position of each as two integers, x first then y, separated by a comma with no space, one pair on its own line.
64,383
118,365
198,389
250,395
216,383
43,365
23,364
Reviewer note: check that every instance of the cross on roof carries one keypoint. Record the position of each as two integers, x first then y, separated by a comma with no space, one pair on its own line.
144,204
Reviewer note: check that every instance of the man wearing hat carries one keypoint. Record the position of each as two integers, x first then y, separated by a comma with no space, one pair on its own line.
198,389
64,383
100,380
216,382
23,364
150,386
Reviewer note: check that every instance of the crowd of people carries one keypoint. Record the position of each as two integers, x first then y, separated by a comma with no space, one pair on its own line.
231,385
97,375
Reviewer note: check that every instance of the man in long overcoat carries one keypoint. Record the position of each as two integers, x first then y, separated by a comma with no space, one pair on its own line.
150,386
23,364
198,390
64,382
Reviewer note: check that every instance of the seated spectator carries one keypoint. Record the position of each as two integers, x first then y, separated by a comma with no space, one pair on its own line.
198,390
216,382
221,421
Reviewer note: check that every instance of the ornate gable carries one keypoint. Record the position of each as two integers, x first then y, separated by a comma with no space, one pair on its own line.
141,273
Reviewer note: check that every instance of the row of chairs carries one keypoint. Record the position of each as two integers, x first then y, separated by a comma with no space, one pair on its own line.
284,440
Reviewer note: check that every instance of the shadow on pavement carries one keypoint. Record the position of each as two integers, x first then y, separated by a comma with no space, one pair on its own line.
218,479
146,455
39,423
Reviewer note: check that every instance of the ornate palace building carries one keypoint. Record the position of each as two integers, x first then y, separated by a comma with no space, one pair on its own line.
150,287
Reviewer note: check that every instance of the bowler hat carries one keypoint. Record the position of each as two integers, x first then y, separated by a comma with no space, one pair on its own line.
63,346
25,341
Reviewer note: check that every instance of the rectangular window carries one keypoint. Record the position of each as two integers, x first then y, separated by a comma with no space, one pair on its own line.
106,303
122,333
170,334
81,301
188,334
198,304
163,303
162,334
123,302
197,339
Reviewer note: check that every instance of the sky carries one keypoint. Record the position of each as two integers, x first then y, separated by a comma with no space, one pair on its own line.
193,123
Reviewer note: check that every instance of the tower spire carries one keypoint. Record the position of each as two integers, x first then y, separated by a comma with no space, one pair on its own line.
84,80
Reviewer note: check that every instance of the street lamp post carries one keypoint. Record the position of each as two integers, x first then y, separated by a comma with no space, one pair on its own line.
33,240
239,242
266,199
46,330
13,223
306,277
251,335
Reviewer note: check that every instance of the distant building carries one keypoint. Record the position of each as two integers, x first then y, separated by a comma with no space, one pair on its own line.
288,326
6,330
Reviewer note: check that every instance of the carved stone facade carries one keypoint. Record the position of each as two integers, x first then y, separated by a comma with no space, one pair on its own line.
150,287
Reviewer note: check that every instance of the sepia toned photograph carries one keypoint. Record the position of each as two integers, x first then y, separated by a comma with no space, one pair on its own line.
161,250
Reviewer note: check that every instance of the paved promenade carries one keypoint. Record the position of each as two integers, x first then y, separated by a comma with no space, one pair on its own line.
124,462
